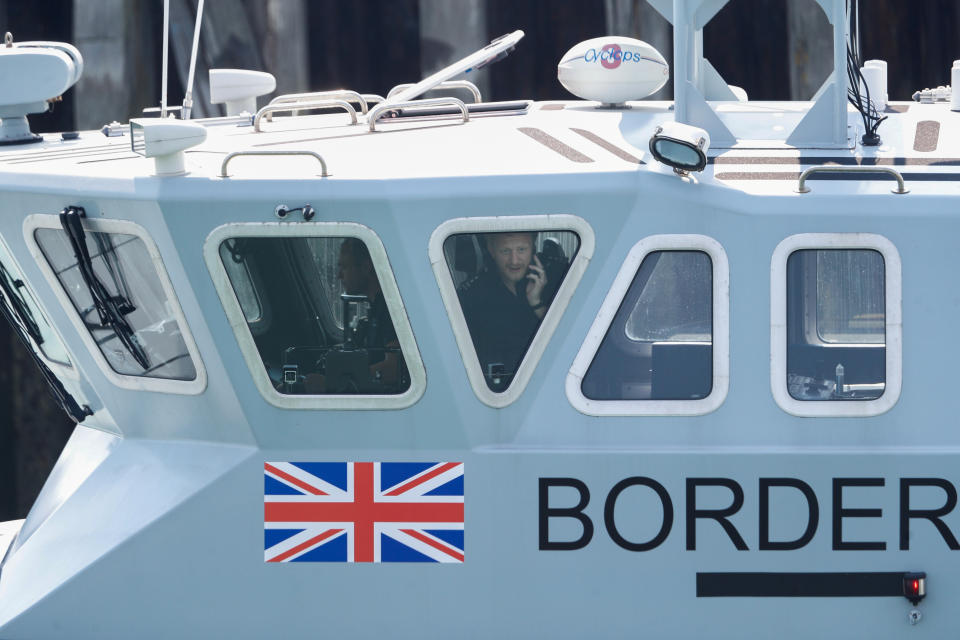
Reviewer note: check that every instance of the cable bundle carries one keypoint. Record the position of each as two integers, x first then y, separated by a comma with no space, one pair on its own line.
858,93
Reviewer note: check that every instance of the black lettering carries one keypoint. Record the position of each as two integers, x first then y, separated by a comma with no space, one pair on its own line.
839,513
611,504
813,514
547,512
933,515
720,515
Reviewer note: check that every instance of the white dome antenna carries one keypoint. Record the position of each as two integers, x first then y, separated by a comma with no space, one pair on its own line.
238,89
33,74
612,70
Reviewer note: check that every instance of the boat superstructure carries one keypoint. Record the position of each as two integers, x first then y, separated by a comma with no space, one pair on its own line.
728,420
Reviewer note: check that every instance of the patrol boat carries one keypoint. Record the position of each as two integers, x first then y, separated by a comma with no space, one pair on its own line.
728,419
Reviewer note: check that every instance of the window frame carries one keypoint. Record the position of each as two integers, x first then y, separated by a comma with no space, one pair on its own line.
451,301
59,369
608,311
892,325
244,337
109,225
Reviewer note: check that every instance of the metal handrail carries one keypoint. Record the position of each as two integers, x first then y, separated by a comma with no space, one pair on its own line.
299,106
803,188
336,94
381,109
449,84
235,154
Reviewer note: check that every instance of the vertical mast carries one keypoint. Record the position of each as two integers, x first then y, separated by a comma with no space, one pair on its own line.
188,97
166,58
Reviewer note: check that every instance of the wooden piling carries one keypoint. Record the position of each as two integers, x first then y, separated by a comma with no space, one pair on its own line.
118,81
450,31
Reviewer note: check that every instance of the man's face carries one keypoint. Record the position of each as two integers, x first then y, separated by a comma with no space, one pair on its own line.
353,276
511,253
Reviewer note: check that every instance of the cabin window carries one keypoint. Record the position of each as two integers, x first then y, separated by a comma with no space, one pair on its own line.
122,303
505,281
836,330
506,284
23,309
835,325
658,345
316,283
336,335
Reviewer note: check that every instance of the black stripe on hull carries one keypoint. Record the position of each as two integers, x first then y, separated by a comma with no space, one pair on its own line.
800,585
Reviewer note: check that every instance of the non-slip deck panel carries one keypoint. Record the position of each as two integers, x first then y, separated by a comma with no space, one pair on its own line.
609,146
553,144
926,136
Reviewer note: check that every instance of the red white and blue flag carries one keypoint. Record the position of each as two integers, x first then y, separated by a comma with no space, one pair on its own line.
363,511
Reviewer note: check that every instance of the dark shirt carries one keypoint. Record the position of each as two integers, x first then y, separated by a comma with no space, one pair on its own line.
376,330
502,325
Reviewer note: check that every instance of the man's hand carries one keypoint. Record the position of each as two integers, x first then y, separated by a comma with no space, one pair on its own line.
536,281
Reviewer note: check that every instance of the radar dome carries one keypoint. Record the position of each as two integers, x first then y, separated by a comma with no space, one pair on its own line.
613,69
32,75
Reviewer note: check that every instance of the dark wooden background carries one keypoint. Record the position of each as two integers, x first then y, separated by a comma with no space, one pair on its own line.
775,49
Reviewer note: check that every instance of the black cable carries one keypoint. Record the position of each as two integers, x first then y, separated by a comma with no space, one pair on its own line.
9,286
856,84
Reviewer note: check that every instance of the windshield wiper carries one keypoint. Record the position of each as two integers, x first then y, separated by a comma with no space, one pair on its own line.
9,288
76,412
111,309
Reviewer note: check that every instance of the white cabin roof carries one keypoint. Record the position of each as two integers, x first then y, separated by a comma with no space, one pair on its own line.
550,138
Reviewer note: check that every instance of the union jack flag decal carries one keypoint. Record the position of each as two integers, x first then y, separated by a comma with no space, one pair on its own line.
363,511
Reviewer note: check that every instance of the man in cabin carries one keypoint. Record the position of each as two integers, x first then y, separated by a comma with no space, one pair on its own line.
375,332
504,304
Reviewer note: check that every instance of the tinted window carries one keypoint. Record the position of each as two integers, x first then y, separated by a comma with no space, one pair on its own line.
660,343
329,331
506,283
144,338
836,348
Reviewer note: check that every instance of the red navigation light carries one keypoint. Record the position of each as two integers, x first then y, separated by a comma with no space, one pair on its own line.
914,587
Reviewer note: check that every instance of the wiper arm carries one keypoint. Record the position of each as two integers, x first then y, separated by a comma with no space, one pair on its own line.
111,309
8,289
76,412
